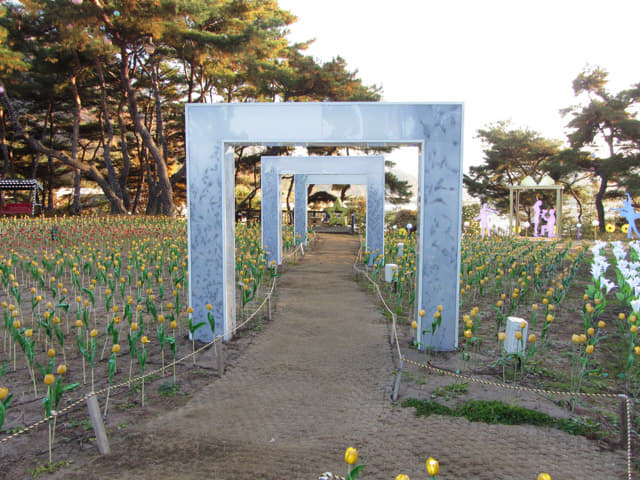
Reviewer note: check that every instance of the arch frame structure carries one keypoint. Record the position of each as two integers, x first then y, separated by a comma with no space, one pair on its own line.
212,132
301,198
343,169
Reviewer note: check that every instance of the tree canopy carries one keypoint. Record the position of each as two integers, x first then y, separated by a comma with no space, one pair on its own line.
604,128
510,155
603,149
92,91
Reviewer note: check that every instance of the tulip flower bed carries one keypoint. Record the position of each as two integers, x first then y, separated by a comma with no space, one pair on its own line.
91,302
581,302
581,318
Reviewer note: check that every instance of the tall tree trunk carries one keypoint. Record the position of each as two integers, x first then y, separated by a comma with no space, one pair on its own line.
289,214
3,145
343,192
162,139
50,166
76,206
166,205
599,206
126,159
578,202
143,160
106,142
89,170
49,187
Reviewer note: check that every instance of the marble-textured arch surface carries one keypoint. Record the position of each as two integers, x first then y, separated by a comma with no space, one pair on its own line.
212,131
272,168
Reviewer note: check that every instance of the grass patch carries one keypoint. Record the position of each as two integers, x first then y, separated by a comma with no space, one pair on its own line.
169,389
502,413
48,468
451,391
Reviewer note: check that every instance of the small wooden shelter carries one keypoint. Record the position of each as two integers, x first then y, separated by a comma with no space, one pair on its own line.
16,207
528,183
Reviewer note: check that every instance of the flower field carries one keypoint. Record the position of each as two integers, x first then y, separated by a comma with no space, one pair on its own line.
89,303
577,356
581,302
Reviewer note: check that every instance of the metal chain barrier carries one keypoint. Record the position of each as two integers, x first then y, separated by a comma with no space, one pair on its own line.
83,399
627,401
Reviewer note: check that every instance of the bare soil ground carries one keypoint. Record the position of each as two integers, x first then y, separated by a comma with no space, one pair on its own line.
315,380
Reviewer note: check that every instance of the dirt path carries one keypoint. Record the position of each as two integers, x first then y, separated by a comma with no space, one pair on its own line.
318,380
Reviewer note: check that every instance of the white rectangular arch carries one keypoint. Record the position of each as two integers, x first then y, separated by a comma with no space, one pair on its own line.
300,183
212,131
271,168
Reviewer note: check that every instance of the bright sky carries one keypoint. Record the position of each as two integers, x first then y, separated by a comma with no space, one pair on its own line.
504,60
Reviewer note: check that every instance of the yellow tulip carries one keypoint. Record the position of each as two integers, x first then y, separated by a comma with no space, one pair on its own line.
4,392
144,339
402,476
467,333
601,324
173,324
351,456
51,353
208,306
637,350
62,369
421,312
622,316
115,348
502,336
94,333
79,323
518,334
28,332
544,476
633,329
49,379
414,325
433,466
532,338
590,331
134,326
575,338
589,349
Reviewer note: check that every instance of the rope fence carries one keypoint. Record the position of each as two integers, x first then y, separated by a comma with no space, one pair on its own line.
626,401
298,250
